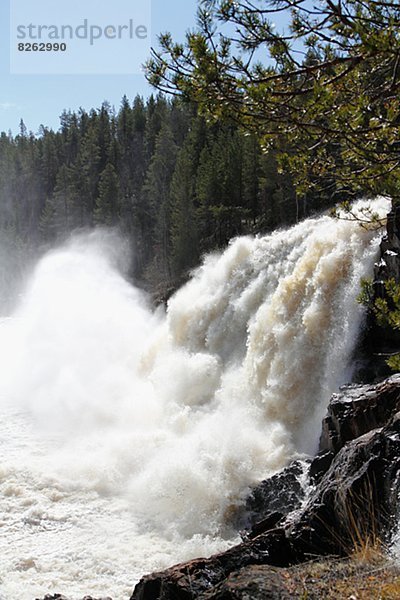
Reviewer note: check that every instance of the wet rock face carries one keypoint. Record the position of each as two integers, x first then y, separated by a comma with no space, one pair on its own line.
354,487
357,409
319,465
356,498
274,499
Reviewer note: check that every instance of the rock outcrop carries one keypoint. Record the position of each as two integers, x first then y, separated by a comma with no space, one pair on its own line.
357,498
354,486
356,409
272,500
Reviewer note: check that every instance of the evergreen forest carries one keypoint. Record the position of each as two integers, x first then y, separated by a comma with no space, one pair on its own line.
172,184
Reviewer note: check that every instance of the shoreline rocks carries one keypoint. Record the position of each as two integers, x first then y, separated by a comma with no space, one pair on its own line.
355,486
313,508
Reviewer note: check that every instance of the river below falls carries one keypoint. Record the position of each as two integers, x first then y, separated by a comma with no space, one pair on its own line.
56,535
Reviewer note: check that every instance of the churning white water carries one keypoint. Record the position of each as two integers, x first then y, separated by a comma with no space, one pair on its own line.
127,437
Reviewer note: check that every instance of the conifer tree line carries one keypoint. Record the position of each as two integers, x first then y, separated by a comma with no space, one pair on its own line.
172,184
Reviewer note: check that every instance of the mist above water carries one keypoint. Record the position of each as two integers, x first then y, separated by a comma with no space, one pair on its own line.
134,434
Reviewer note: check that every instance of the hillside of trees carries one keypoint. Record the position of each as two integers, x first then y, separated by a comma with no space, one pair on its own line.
173,185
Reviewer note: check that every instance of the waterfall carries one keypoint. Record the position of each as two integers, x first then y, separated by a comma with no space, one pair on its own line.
129,436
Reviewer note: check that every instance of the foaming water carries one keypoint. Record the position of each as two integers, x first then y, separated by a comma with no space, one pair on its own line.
128,437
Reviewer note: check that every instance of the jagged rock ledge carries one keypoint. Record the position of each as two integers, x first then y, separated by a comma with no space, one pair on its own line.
355,490
357,409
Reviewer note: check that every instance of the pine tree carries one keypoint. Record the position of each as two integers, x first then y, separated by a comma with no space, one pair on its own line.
184,226
108,204
157,195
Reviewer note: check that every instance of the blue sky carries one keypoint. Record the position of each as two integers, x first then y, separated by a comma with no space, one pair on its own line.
40,99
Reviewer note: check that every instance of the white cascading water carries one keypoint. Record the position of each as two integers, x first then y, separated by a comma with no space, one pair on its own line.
128,437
